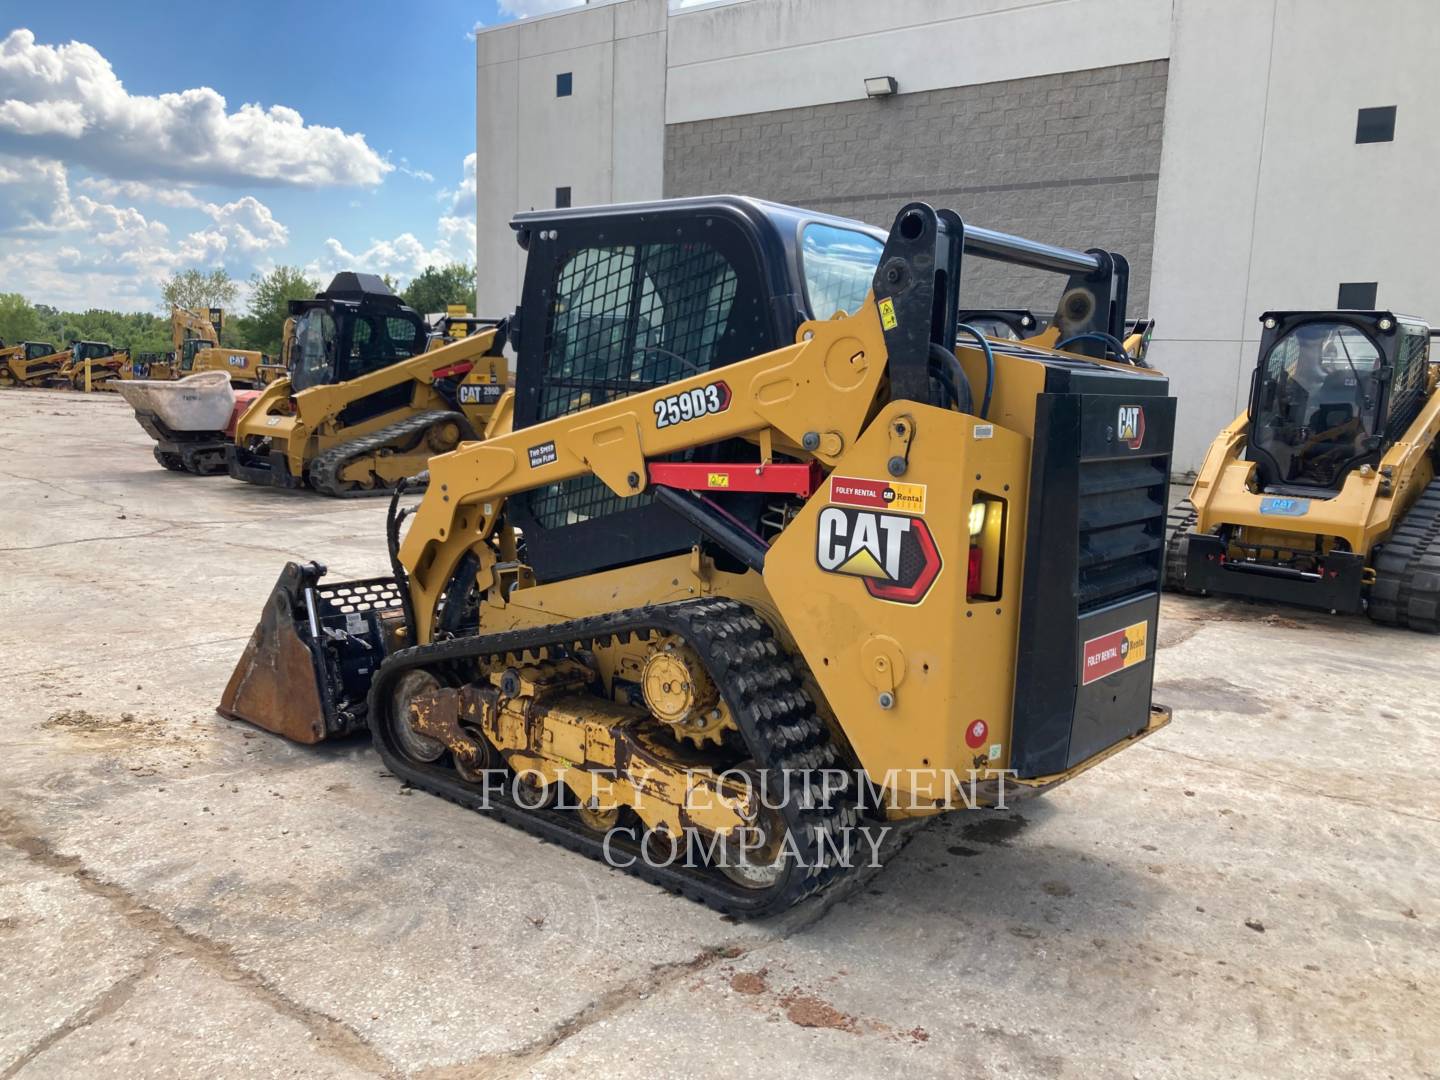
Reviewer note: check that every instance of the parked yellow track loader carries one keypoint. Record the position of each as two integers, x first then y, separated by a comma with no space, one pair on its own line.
367,401
1323,493
26,365
756,559
92,365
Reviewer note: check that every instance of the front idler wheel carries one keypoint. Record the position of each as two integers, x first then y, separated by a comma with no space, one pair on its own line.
412,743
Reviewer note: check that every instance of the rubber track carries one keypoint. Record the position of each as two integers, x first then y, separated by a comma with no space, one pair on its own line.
1407,568
764,691
324,473
1178,526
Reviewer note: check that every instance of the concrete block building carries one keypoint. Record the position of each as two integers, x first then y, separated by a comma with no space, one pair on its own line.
1244,155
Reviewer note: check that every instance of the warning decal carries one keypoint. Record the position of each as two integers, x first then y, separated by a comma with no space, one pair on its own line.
1113,652
878,494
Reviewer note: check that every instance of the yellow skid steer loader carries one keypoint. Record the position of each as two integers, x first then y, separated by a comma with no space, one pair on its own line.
759,560
1323,493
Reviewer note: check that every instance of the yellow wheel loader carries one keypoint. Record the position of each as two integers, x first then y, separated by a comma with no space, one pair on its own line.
758,561
32,364
1323,493
367,401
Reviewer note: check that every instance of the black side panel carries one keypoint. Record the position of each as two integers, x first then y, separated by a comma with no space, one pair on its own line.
376,404
1094,555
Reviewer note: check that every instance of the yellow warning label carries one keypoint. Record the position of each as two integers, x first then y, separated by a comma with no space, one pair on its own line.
717,480
887,314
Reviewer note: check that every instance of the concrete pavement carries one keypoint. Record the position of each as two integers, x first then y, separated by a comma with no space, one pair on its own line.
1250,892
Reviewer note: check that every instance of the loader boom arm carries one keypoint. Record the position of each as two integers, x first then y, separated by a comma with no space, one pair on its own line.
817,393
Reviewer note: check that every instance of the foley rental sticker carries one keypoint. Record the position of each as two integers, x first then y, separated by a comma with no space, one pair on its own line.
878,494
1112,652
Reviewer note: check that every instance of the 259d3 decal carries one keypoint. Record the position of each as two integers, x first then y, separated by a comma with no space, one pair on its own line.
692,404
896,555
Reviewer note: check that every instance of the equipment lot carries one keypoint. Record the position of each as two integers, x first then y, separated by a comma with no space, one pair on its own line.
1251,891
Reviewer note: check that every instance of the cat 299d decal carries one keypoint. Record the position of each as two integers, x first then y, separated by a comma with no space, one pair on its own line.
896,555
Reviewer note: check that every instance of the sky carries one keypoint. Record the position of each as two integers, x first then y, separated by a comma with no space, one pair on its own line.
137,140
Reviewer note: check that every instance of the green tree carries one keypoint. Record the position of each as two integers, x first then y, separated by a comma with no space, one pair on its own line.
270,295
437,287
18,320
197,289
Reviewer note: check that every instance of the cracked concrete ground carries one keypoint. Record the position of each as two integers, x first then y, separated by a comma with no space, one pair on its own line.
1250,892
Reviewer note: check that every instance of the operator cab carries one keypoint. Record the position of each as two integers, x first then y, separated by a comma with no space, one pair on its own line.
90,350
34,350
694,285
190,348
355,327
1332,391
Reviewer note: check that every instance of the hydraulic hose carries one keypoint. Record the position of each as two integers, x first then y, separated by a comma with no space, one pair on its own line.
394,518
989,367
947,369
1110,340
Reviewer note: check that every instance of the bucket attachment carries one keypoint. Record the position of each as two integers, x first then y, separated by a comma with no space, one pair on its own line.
306,670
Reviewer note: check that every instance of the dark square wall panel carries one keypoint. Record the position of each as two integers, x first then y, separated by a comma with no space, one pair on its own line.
1072,159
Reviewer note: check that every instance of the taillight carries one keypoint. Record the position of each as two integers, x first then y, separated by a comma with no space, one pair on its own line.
972,576
987,543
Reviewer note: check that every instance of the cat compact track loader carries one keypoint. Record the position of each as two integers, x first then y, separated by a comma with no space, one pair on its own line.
1323,493
92,365
751,541
31,363
367,401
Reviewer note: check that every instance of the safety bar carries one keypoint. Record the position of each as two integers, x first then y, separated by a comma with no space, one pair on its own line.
1016,250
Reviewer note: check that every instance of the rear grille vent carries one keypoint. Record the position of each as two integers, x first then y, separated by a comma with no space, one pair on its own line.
1122,529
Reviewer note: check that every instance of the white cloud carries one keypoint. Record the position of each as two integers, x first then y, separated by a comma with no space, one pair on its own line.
139,191
406,255
65,102
418,174
125,253
474,29
246,220
462,198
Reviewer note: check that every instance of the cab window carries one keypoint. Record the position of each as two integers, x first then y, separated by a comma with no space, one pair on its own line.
313,350
1316,401
839,266
377,341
